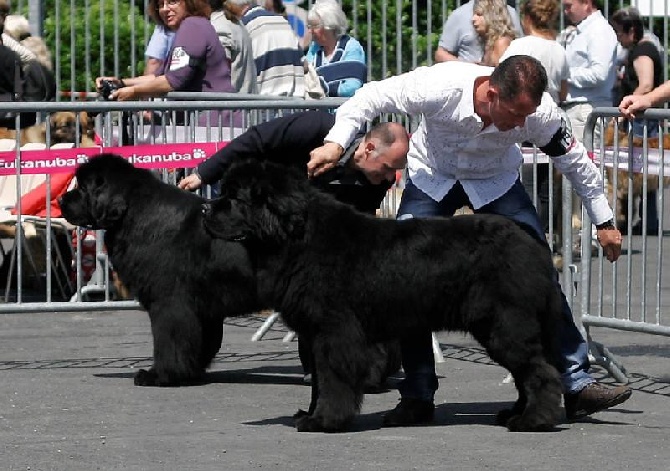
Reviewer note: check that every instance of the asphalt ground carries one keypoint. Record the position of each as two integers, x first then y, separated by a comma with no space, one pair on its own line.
67,402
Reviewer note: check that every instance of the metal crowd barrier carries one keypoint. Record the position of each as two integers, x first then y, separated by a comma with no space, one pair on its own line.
45,262
631,294
48,269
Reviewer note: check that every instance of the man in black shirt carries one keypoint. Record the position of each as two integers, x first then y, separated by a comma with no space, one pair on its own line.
362,177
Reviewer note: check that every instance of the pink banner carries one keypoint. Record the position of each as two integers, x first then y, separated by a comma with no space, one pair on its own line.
52,161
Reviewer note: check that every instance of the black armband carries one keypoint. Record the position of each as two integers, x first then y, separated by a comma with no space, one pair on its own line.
562,140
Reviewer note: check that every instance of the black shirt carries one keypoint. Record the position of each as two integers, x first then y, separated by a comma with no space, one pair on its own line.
289,140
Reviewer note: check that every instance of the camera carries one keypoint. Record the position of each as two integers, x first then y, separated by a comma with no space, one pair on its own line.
107,87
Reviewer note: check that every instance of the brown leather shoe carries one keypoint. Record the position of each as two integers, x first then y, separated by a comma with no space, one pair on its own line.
409,412
594,398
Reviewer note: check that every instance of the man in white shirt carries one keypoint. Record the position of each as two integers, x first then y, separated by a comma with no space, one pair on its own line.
591,52
465,152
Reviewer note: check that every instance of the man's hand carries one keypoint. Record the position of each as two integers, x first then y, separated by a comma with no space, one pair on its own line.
123,94
610,240
633,104
191,182
323,158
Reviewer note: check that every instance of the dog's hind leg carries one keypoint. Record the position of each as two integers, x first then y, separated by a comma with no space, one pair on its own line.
538,383
340,367
542,388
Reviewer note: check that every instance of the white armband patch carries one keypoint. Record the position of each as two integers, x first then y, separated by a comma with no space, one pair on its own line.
179,59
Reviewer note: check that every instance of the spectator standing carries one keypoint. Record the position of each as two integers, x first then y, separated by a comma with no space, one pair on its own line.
276,49
460,41
197,61
538,19
591,54
338,59
494,27
236,41
643,71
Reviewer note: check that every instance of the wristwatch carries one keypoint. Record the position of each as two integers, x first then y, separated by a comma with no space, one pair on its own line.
606,225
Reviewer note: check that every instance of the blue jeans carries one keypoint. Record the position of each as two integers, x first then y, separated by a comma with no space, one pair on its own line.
417,355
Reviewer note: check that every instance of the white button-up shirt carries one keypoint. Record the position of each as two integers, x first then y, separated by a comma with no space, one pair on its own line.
591,54
450,143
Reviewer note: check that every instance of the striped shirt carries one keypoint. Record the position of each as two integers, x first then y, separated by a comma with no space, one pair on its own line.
277,53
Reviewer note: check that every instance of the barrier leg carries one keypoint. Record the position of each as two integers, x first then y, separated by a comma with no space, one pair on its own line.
607,360
272,318
437,350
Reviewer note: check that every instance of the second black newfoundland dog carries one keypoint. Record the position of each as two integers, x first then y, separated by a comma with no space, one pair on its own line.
344,280
187,281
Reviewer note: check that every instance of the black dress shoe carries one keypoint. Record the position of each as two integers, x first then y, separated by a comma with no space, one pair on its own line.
409,412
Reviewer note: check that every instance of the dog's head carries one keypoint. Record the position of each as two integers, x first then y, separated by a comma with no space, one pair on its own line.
261,202
65,125
100,199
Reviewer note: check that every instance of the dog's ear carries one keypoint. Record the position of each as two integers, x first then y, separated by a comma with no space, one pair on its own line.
107,209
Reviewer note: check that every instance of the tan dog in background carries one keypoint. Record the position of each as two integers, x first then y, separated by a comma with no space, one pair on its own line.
63,126
63,129
623,175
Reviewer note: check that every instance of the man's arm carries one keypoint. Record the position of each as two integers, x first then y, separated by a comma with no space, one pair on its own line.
571,159
631,105
286,140
412,93
442,55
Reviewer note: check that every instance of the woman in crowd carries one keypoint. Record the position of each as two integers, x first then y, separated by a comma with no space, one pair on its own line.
494,26
197,61
338,58
539,18
643,71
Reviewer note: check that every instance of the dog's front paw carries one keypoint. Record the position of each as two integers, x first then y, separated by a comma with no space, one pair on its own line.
519,423
307,423
300,413
146,378
504,416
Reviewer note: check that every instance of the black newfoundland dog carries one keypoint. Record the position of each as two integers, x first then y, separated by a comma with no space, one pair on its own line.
344,280
187,281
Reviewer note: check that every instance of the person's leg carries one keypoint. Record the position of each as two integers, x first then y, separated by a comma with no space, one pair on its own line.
417,389
650,217
517,206
583,396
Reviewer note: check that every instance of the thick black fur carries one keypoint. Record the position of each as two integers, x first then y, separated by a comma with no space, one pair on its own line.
345,280
187,281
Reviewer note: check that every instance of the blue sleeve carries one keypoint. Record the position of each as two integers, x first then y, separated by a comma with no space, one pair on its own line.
352,52
158,45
